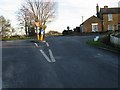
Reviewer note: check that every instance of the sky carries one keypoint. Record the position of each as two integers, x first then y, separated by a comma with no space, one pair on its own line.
69,12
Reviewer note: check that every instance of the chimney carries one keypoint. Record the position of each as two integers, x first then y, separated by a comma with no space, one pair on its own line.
97,10
106,6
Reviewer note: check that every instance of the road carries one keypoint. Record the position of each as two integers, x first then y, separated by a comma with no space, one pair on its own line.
61,62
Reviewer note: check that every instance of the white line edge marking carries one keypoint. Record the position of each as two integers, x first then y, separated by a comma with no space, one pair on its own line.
47,44
51,56
46,57
36,44
9,41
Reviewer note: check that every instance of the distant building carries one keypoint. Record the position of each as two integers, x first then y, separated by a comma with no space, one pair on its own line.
77,29
53,33
92,24
110,17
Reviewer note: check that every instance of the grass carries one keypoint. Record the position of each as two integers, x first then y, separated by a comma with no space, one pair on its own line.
97,43
100,44
15,38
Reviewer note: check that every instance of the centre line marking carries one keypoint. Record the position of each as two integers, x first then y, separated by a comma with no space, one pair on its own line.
46,57
36,44
51,56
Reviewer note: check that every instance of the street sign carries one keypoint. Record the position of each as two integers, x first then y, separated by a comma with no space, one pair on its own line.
42,31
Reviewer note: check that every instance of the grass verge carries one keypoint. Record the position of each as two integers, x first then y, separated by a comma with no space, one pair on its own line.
109,46
16,38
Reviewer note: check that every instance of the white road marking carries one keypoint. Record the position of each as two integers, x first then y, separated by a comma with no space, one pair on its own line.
46,57
51,56
47,44
9,41
36,44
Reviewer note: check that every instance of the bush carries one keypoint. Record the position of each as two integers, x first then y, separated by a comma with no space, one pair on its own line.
67,32
105,39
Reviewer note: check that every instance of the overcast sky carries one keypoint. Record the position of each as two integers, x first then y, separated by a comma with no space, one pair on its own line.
70,12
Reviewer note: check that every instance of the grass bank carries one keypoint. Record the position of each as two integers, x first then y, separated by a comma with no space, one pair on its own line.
104,43
16,38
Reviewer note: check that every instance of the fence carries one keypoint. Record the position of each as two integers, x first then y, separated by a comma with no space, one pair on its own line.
115,40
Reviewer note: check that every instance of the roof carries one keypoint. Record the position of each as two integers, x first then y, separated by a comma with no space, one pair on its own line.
90,18
110,10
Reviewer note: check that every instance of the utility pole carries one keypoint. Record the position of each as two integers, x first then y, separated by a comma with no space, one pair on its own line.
82,19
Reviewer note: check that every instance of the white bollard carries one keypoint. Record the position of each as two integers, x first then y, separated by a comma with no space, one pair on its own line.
96,38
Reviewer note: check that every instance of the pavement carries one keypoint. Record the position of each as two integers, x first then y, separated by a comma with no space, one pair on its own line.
60,62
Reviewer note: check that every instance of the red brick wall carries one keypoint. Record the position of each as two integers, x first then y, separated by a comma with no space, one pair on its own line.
113,22
87,26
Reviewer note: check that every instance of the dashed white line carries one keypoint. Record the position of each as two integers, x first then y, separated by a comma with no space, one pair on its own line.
47,44
36,44
51,56
46,57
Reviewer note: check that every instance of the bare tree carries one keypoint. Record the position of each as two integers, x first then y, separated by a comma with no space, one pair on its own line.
5,27
25,18
42,11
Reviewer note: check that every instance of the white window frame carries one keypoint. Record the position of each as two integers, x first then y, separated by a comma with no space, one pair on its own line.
110,27
110,17
94,24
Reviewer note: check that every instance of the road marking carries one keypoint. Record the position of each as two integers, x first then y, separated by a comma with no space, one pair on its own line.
46,57
47,44
36,44
51,56
9,41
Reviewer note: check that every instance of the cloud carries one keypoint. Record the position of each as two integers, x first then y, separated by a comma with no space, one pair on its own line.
70,12
119,4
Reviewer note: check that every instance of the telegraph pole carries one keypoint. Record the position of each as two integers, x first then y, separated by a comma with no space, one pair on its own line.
82,19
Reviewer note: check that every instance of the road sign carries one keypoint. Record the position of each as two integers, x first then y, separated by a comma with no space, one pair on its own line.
42,31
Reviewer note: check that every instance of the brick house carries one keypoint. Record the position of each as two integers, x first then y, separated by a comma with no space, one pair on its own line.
110,17
92,24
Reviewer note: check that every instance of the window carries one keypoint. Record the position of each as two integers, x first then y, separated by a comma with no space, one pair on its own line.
110,27
94,27
109,17
115,27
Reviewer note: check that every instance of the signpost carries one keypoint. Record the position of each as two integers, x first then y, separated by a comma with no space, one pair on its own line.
37,24
38,27
43,28
42,33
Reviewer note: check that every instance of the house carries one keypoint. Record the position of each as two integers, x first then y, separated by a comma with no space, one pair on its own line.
92,24
110,17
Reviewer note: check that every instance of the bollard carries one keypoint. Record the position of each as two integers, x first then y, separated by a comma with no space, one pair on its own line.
42,33
96,38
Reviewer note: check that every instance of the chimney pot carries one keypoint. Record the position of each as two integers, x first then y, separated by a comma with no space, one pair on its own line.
105,6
